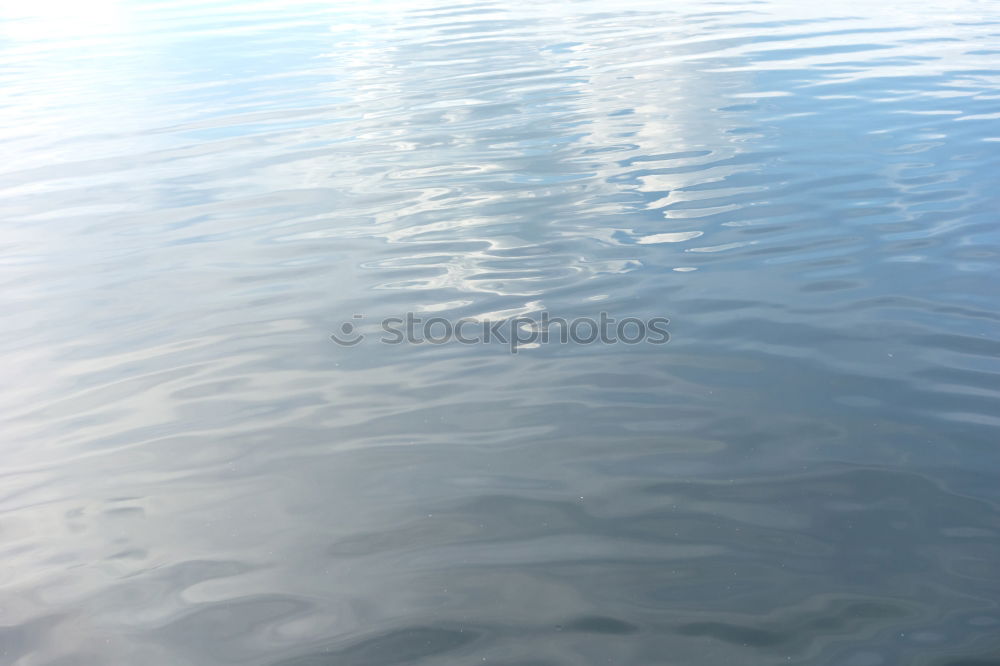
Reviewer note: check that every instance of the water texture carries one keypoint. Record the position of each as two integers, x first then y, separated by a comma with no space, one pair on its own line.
195,195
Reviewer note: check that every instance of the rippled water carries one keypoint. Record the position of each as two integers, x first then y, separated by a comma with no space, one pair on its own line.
196,195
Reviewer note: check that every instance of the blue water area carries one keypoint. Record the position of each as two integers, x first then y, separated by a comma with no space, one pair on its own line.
196,196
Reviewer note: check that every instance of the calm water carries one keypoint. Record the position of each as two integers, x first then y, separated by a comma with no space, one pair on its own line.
195,195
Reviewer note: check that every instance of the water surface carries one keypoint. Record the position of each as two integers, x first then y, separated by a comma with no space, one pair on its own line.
195,195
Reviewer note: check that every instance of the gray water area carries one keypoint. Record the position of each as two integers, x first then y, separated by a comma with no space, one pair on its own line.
196,195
